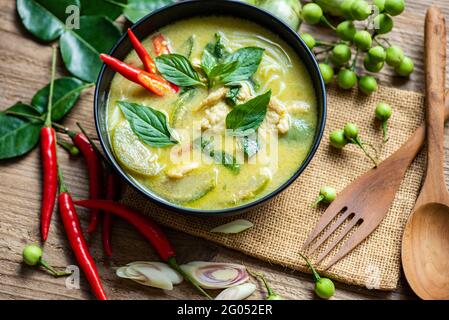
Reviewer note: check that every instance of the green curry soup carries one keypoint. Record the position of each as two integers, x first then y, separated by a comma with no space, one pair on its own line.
228,88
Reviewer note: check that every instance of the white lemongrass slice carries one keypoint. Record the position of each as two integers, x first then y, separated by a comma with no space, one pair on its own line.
173,275
239,292
235,226
123,273
153,276
216,275
131,273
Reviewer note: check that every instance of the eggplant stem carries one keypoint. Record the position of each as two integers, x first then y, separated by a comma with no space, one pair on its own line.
315,275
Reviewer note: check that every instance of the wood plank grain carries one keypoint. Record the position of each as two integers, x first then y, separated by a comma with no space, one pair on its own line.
24,68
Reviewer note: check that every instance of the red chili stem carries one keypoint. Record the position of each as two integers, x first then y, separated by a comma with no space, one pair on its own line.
143,54
95,172
77,241
149,81
147,228
49,161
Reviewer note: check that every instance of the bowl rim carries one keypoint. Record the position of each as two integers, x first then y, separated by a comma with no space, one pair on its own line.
246,206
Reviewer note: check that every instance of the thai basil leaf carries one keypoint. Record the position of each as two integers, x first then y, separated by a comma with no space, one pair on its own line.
208,61
148,124
248,59
137,9
232,96
81,48
226,159
18,135
178,70
221,71
248,116
45,19
110,9
66,93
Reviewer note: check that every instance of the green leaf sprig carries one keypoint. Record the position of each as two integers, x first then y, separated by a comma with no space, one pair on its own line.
21,123
80,48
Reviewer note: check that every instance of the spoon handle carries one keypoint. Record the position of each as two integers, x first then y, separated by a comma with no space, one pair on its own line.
435,66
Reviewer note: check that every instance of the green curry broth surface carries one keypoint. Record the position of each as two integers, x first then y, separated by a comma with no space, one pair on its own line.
293,146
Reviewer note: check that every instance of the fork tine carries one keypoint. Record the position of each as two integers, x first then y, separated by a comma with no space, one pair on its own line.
341,235
326,235
359,235
324,221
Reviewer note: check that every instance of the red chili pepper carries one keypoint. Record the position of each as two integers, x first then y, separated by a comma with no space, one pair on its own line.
95,170
50,175
111,193
77,241
49,161
161,46
147,228
149,81
143,54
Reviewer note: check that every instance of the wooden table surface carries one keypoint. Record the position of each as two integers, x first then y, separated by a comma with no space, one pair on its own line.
24,68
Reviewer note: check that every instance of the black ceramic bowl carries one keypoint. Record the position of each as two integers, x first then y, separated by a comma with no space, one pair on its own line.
188,9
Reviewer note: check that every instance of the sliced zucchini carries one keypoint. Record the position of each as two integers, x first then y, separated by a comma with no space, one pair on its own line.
299,130
191,187
132,153
243,189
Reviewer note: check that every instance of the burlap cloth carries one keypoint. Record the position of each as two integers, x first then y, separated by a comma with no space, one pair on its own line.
282,225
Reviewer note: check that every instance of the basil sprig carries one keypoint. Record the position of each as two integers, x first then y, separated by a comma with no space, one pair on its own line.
149,124
178,70
247,117
224,68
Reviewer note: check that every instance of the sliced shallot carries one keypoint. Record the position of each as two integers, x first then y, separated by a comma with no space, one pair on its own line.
216,275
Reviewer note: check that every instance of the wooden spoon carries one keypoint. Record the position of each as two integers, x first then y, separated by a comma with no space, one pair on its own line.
425,243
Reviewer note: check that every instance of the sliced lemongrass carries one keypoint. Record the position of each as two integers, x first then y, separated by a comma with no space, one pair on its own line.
233,227
239,292
153,277
216,275
173,275
123,273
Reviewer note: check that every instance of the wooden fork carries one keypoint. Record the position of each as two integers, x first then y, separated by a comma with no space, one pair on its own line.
365,202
